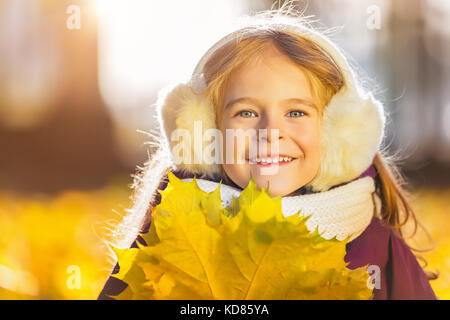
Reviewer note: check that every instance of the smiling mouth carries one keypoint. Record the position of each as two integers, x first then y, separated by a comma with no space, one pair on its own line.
268,161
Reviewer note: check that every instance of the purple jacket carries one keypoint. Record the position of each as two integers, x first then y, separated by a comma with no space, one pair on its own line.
401,277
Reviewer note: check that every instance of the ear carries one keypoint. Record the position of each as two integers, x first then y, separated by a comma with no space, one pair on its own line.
179,108
351,132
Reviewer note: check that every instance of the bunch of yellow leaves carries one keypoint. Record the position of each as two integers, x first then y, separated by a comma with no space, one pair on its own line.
199,250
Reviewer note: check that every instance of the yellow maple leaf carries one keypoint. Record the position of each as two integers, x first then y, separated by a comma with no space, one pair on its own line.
199,250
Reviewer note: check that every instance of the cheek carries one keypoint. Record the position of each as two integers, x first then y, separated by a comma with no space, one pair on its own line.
239,174
239,139
238,171
308,137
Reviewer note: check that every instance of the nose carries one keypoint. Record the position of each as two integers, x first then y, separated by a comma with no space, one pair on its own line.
272,122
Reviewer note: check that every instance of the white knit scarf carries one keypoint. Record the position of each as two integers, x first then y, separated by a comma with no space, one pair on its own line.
344,211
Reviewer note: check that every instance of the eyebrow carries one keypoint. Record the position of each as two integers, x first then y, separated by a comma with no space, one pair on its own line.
306,102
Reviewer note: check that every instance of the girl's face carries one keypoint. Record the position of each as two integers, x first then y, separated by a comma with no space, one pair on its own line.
272,93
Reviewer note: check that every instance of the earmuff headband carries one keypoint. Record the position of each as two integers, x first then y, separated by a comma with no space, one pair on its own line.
352,127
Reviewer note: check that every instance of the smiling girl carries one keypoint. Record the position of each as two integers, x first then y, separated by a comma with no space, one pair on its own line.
274,94
324,135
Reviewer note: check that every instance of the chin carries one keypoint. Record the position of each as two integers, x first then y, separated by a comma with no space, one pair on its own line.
277,187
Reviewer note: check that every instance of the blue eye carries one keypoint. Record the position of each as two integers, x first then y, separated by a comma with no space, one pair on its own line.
246,114
296,114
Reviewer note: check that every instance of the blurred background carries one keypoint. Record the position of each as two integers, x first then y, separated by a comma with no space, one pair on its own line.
78,80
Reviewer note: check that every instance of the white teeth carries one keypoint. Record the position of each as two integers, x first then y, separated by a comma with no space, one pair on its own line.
271,160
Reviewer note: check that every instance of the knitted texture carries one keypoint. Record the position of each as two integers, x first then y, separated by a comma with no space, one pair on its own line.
342,212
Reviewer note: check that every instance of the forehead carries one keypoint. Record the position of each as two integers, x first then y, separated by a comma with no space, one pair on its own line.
272,75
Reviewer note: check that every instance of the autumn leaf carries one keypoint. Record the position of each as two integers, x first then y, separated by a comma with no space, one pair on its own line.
199,250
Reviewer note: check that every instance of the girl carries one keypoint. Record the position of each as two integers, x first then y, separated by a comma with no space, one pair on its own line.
275,73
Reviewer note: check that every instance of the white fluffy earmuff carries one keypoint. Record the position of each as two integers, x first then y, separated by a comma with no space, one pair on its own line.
352,126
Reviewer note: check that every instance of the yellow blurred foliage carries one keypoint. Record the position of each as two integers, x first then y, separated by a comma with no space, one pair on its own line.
45,241
55,247
432,207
